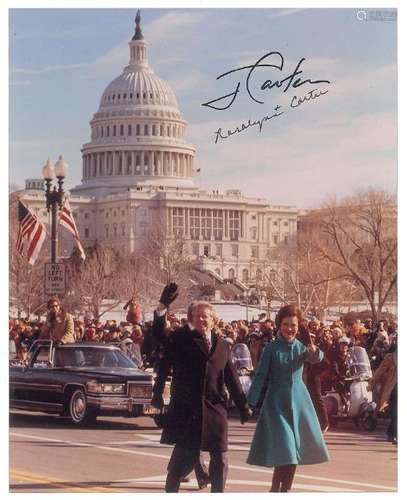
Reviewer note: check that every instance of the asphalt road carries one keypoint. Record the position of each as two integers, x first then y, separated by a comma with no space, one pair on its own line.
48,454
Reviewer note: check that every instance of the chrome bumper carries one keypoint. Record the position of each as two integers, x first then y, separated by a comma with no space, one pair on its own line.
118,403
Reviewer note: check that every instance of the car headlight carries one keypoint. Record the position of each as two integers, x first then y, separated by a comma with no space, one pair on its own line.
99,388
140,391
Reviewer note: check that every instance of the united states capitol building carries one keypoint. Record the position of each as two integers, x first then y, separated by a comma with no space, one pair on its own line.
138,170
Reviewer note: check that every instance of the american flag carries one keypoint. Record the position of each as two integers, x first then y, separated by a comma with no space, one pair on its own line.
31,231
66,219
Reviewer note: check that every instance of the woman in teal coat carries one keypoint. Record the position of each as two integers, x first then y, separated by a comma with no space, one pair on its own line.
287,432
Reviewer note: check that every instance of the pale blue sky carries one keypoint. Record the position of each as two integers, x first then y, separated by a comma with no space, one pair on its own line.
61,60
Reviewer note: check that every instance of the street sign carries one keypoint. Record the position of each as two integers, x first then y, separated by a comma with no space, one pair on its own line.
55,279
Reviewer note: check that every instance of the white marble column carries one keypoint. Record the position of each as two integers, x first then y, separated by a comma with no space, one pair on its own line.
123,161
150,163
161,169
186,222
262,228
178,164
169,221
133,163
181,164
113,162
142,163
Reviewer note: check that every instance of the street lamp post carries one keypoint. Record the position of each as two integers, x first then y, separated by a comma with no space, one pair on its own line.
54,196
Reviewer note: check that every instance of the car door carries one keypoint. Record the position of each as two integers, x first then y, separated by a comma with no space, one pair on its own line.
42,385
17,385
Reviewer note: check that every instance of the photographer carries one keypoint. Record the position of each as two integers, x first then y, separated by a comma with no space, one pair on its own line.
59,326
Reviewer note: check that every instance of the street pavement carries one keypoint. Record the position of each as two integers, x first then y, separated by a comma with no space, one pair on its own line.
48,454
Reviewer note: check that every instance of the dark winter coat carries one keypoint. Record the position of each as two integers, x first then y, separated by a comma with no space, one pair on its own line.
197,414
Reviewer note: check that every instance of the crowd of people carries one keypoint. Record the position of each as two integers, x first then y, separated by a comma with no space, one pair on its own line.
334,339
291,350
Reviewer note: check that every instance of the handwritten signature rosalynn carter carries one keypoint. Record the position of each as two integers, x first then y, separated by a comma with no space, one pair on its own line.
275,60
295,103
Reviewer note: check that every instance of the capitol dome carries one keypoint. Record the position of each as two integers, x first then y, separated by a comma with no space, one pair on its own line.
137,134
140,86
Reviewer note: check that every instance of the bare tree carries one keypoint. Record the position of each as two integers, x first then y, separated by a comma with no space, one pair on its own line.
359,240
299,274
26,283
96,280
138,279
166,260
290,276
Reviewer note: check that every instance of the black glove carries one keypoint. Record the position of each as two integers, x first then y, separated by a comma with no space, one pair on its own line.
169,294
157,401
245,414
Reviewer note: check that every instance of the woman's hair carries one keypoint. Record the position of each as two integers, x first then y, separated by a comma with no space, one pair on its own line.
286,311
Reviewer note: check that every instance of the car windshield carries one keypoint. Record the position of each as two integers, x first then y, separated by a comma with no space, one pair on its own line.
91,356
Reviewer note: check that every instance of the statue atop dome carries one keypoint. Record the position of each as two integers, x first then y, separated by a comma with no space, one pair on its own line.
138,35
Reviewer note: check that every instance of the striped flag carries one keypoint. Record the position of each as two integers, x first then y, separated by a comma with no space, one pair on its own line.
66,219
31,231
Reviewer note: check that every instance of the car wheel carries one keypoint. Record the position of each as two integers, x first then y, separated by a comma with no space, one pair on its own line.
78,408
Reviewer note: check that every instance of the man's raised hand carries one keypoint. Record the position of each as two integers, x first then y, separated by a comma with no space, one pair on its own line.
169,294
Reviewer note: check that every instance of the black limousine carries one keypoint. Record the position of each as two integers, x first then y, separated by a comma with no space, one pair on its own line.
81,381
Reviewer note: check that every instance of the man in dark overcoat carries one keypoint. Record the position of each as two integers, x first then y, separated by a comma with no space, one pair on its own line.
161,336
197,415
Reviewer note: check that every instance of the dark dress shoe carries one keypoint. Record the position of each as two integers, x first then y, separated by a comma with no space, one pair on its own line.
203,482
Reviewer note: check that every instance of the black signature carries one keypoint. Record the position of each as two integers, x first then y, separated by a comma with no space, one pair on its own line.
293,80
219,134
312,94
